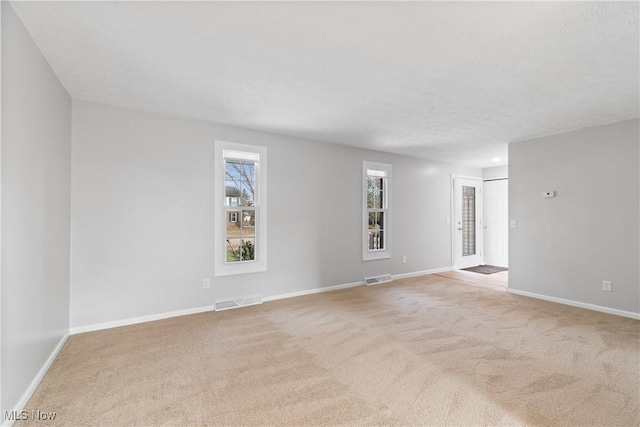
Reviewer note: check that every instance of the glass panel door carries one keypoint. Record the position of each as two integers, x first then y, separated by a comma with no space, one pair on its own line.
467,226
468,221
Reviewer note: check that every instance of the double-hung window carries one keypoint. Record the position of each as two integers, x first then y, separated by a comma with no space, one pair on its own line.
376,202
241,208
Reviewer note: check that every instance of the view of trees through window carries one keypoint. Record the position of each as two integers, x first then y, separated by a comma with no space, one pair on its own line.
240,184
376,212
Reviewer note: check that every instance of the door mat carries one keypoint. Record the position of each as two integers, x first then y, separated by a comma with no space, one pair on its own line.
486,269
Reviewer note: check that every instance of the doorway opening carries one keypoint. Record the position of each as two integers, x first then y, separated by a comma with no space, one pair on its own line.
480,232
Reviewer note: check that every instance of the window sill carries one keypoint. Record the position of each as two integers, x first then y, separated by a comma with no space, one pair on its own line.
232,270
372,256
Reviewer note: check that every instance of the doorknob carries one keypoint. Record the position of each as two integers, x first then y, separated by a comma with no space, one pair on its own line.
459,229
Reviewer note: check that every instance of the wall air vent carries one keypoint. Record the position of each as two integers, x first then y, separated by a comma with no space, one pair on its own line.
378,279
238,302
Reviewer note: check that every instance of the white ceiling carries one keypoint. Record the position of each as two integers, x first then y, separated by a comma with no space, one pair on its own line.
447,81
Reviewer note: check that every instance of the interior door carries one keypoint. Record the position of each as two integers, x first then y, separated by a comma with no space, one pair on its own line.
468,222
496,222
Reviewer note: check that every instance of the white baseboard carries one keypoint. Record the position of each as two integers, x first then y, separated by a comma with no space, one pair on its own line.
422,273
22,403
354,284
167,315
593,307
313,291
161,316
142,319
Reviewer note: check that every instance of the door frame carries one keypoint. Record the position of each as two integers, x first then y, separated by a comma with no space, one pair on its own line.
506,224
479,229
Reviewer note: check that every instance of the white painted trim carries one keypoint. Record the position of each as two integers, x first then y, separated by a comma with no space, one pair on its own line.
22,403
368,255
480,213
168,315
314,291
422,273
220,266
455,175
1,409
452,220
142,319
593,307
452,213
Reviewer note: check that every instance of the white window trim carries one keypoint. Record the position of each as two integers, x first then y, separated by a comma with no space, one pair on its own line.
238,151
368,255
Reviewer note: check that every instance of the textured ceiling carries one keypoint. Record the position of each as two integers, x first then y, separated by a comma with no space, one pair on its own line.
448,81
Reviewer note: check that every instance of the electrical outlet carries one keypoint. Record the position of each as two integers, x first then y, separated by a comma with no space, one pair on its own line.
404,259
606,285
513,223
206,283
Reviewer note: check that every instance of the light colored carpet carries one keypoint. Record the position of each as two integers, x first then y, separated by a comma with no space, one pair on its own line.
422,351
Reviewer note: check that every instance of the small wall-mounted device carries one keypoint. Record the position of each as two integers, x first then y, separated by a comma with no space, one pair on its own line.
549,194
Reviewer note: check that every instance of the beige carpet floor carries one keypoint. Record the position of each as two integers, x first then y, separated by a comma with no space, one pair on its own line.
422,351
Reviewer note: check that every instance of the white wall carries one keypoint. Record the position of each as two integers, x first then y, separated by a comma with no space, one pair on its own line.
36,143
142,214
566,246
496,172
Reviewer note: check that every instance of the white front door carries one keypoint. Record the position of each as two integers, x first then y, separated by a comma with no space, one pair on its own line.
467,222
496,222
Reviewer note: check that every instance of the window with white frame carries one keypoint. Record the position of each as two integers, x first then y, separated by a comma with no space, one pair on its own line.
241,201
376,202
